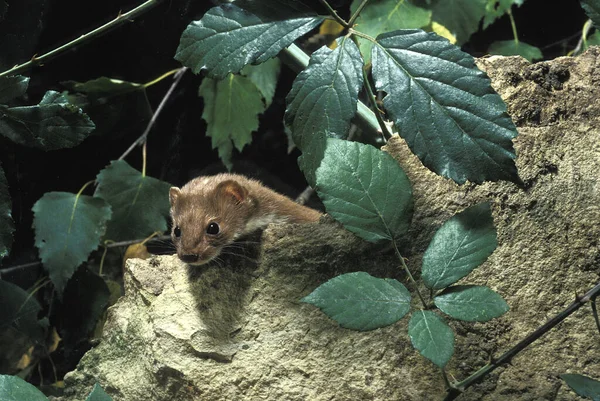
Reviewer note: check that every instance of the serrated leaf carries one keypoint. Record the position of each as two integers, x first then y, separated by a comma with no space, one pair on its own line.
462,243
7,227
365,189
471,303
512,48
495,9
53,124
68,227
230,36
103,86
313,149
359,301
324,96
461,17
98,394
231,109
431,336
384,16
448,113
592,9
12,87
13,388
264,76
140,204
584,386
19,312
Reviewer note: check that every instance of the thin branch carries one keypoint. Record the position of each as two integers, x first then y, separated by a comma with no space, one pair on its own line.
142,138
583,38
357,12
383,129
521,345
334,14
119,20
410,276
514,26
134,241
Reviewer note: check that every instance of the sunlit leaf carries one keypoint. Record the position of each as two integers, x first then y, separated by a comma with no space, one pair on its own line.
461,17
472,303
359,301
431,336
495,9
264,76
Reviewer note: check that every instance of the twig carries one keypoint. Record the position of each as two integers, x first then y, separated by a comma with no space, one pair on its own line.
334,14
583,38
142,138
10,269
357,12
410,276
135,241
521,345
120,19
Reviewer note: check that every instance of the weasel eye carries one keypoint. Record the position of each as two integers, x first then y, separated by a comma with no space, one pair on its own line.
212,229
177,231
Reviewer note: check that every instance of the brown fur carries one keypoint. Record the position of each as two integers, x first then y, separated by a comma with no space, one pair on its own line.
238,205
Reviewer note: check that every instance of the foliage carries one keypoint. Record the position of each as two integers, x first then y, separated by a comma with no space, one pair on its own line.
583,385
13,388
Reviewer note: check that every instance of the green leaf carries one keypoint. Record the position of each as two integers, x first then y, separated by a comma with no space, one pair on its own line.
431,336
459,246
7,227
461,17
472,303
512,48
53,124
385,16
264,76
103,86
13,388
448,112
84,301
19,312
359,301
140,204
313,150
584,386
592,9
230,36
495,9
68,227
231,109
12,87
324,96
98,394
592,40
365,189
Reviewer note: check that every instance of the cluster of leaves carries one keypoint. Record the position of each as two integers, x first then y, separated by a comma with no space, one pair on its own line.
18,389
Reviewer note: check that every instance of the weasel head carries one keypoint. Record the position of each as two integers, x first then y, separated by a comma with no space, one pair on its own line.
208,216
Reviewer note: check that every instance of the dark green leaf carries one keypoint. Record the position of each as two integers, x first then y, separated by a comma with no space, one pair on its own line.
68,227
365,189
448,112
592,9
7,226
313,149
431,336
385,16
584,386
231,109
84,301
12,87
53,124
19,312
512,48
103,86
472,303
230,36
461,17
459,246
324,96
13,388
359,301
140,204
264,76
98,394
497,8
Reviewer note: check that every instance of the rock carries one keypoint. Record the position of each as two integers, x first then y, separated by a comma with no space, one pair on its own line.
238,331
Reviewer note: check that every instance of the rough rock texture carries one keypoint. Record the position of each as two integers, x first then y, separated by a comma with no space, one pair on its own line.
238,332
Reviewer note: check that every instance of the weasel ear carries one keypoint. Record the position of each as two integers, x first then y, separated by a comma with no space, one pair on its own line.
173,195
233,190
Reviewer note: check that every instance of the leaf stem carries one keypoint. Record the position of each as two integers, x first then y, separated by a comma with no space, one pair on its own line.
142,138
357,12
362,35
119,20
383,128
334,14
410,276
460,387
163,76
144,156
514,26
84,187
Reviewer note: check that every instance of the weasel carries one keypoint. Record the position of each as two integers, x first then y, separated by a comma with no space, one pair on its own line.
211,212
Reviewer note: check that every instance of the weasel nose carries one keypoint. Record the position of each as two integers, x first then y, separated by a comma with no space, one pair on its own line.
189,258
